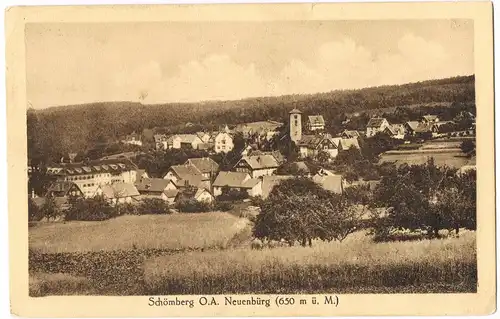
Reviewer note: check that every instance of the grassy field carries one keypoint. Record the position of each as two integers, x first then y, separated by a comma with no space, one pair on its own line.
168,232
453,159
356,265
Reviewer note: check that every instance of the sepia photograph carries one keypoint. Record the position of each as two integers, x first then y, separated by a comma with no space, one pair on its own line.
244,158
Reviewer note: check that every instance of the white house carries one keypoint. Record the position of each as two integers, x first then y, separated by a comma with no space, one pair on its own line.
237,181
133,139
315,122
198,194
118,193
376,125
185,175
223,142
183,141
311,145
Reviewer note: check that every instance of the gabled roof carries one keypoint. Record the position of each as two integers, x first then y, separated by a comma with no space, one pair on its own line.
295,111
412,125
346,143
250,183
260,161
231,179
332,183
395,129
171,193
61,188
302,166
186,138
350,133
117,165
316,120
184,171
119,190
154,185
268,183
429,117
375,122
203,164
191,193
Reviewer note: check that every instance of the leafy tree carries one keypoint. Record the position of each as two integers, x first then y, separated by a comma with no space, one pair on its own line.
90,209
230,194
50,209
153,206
323,157
468,146
301,210
34,212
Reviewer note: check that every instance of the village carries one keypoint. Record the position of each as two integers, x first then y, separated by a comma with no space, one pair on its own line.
253,173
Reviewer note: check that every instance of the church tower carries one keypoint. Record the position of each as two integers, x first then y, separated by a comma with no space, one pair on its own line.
295,125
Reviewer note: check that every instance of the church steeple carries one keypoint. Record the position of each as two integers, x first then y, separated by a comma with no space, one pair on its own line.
295,125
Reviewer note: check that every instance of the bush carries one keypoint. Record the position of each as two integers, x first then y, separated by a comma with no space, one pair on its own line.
153,206
223,206
90,209
127,209
34,212
193,206
229,194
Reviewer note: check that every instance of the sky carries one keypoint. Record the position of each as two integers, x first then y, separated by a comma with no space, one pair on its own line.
159,62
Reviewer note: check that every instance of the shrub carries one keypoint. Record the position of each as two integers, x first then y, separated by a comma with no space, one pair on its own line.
229,194
90,209
34,211
193,206
154,206
127,209
223,206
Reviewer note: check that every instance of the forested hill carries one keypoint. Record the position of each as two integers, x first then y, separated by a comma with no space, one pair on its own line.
74,128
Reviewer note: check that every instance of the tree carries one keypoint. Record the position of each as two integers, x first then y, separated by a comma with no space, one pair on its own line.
34,212
300,210
468,146
50,209
90,209
153,206
323,157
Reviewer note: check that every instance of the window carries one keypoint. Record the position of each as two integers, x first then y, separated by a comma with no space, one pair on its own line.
296,122
223,141
295,117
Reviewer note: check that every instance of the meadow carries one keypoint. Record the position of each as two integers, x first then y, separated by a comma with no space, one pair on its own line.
210,253
167,232
357,265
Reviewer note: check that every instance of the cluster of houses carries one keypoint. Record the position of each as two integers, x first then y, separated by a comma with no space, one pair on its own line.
426,125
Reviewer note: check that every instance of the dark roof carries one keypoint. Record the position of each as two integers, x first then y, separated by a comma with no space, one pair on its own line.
185,171
375,122
261,161
316,119
61,188
154,185
231,179
203,164
412,125
100,166
310,140
295,111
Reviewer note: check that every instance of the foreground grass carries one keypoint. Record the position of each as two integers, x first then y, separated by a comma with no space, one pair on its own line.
167,232
355,266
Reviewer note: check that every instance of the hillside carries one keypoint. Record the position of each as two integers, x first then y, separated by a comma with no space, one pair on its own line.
59,130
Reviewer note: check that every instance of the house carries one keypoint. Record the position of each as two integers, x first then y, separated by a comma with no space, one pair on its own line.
315,122
160,141
376,125
183,141
237,181
64,189
277,154
257,165
332,183
223,142
204,136
133,139
443,127
263,129
429,119
140,174
154,187
196,193
415,128
119,193
185,175
268,183
91,174
396,131
311,145
170,195
207,166
346,143
349,134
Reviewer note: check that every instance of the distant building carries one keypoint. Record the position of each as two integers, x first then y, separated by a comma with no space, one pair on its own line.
207,166
140,174
133,139
223,142
376,125
346,143
190,141
429,119
311,145
198,194
185,176
237,181
349,134
154,187
332,183
204,136
315,122
257,165
396,131
295,125
64,189
119,193
89,175
415,128
263,129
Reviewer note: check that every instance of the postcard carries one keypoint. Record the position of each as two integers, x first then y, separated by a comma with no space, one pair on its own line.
251,160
